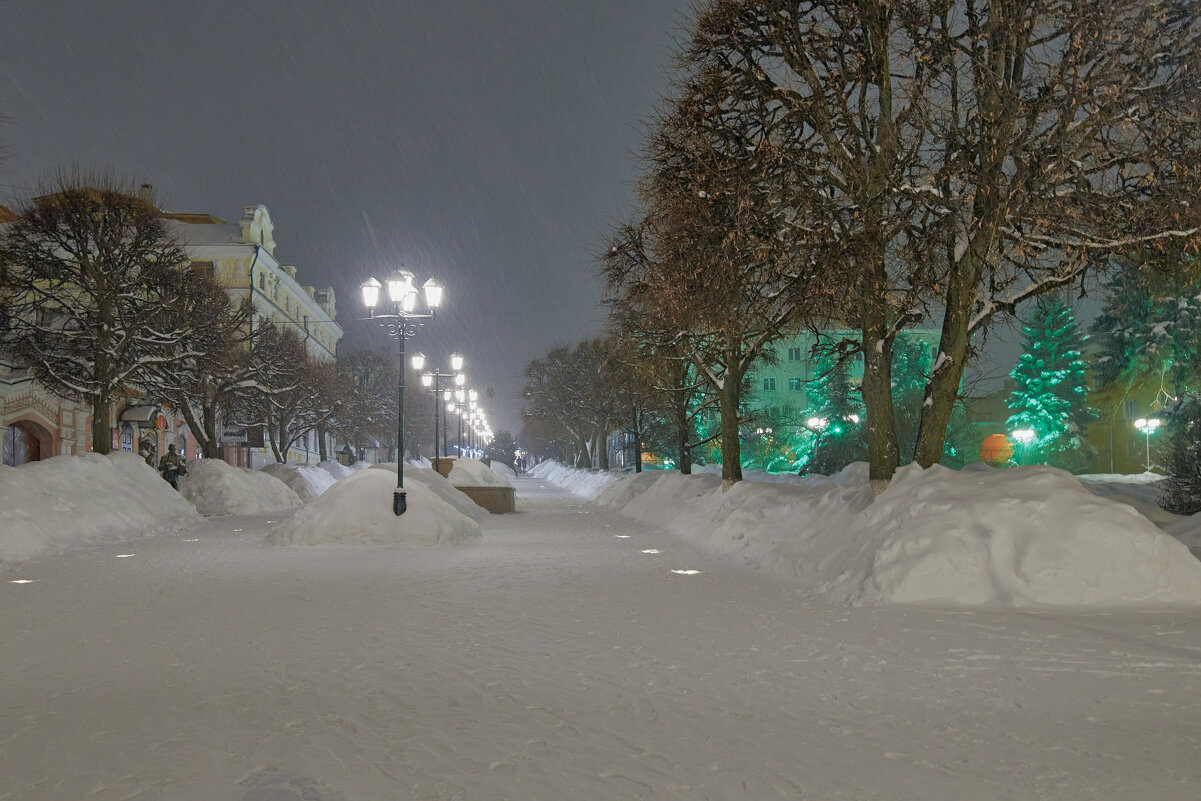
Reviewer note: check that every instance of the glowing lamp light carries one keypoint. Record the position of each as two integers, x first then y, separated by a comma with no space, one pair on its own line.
370,289
460,395
450,407
427,380
1024,435
433,294
456,362
472,394
854,419
400,285
816,422
418,361
460,379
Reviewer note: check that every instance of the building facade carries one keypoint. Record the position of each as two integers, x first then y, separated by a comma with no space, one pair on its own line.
35,424
241,258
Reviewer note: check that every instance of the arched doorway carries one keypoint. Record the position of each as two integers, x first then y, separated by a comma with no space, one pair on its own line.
26,441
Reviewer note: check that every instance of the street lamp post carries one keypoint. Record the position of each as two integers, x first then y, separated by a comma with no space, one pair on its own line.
434,378
401,323
1024,436
1148,428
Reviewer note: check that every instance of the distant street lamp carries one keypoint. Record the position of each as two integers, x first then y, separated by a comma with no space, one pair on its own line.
1148,428
433,379
401,323
1024,437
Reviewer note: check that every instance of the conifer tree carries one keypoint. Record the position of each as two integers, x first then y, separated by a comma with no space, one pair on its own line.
1180,492
837,416
1051,397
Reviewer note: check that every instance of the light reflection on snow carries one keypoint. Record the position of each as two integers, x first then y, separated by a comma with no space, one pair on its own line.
685,572
651,550
238,529
124,555
622,536
22,581
195,540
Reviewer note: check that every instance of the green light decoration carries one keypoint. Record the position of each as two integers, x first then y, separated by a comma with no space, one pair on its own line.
1050,402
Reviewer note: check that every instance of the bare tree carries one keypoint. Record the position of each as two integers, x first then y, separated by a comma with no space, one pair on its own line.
957,157
93,293
715,260
212,364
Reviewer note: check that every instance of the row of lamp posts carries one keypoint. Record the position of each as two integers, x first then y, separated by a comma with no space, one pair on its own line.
401,318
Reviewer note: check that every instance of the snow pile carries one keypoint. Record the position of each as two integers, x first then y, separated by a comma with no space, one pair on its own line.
1019,538
1137,490
474,473
584,483
217,488
358,511
439,485
340,471
84,500
504,470
1009,538
854,474
307,481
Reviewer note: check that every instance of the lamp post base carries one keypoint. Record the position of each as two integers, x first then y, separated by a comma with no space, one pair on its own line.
399,503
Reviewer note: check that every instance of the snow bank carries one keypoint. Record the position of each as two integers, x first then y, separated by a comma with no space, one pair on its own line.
1019,538
854,474
1008,538
56,503
340,471
503,470
358,511
434,480
584,483
474,473
306,480
1138,490
217,488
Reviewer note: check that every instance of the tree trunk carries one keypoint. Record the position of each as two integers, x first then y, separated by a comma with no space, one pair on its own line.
731,450
102,434
322,453
209,423
881,427
943,387
602,447
208,447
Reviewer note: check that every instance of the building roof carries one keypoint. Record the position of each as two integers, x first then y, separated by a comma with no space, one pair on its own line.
192,218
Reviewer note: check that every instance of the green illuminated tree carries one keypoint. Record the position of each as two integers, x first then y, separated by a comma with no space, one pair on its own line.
1051,397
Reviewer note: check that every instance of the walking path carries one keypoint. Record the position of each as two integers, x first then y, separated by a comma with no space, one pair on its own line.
560,658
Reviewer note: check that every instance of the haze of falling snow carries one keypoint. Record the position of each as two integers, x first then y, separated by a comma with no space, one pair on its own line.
486,143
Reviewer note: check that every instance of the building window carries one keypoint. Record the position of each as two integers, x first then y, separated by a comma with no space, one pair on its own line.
204,268
795,385
262,282
1130,408
769,384
794,354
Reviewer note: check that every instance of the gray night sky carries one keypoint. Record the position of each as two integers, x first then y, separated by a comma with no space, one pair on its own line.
490,143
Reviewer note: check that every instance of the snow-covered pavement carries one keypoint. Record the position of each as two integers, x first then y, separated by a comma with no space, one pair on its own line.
560,657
